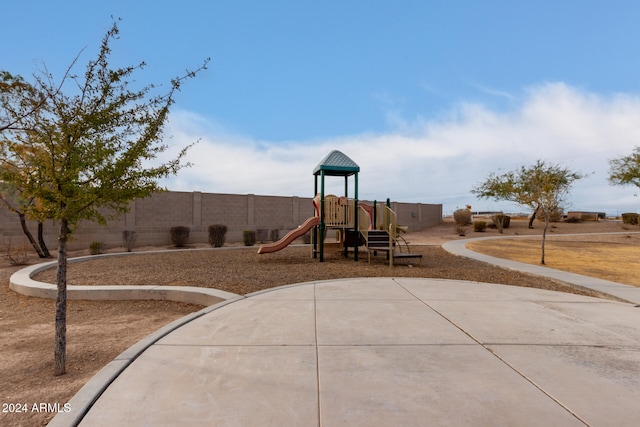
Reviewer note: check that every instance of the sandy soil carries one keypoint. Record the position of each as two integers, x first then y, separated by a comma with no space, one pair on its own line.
99,331
96,333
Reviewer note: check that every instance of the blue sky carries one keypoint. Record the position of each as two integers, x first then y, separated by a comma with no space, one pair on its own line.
427,97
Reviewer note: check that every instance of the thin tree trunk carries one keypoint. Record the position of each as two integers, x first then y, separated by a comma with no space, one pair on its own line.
43,245
25,230
544,235
533,217
60,355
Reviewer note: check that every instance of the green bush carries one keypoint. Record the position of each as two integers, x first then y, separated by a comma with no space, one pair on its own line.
179,235
462,217
479,226
249,237
630,218
217,235
96,248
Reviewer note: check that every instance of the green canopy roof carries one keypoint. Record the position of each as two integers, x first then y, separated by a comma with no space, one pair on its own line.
337,164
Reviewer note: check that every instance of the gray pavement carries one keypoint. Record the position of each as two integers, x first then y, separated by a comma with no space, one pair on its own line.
381,352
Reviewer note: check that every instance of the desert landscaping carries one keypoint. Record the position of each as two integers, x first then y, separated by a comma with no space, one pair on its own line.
99,330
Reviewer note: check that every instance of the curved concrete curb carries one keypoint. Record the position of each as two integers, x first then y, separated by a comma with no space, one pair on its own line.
22,283
606,288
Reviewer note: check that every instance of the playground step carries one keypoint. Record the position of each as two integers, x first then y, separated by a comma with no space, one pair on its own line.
378,240
398,255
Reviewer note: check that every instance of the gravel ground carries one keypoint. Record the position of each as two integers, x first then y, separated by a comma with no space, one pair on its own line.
242,270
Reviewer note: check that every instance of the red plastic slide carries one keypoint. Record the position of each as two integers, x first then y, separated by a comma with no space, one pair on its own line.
290,236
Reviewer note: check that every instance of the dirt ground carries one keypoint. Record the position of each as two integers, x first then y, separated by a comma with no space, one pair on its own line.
99,331
96,333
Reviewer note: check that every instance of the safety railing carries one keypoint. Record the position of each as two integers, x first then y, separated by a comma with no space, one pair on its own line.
338,211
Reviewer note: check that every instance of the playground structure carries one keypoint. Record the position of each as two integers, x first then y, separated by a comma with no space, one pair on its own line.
293,234
373,226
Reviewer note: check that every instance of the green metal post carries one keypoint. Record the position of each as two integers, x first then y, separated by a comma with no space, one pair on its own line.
375,215
314,235
355,220
322,224
346,186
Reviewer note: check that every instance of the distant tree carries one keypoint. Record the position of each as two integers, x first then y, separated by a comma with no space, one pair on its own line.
542,187
625,170
76,154
18,100
12,200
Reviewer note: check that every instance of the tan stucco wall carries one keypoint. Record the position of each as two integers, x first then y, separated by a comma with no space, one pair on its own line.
152,218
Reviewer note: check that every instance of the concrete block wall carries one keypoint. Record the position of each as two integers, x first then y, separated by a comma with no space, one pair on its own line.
417,216
152,218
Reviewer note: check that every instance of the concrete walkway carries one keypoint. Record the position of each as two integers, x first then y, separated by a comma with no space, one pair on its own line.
381,352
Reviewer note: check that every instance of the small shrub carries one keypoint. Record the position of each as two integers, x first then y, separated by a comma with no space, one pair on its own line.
557,215
96,248
501,221
129,239
275,235
17,256
461,230
179,235
462,217
217,235
573,220
479,226
249,237
630,218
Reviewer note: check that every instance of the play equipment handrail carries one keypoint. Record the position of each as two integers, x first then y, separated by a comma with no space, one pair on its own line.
393,220
387,219
364,221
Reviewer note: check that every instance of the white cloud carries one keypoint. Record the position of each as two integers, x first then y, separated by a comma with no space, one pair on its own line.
432,161
494,92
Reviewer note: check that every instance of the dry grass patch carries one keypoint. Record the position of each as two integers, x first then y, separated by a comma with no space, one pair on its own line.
613,257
